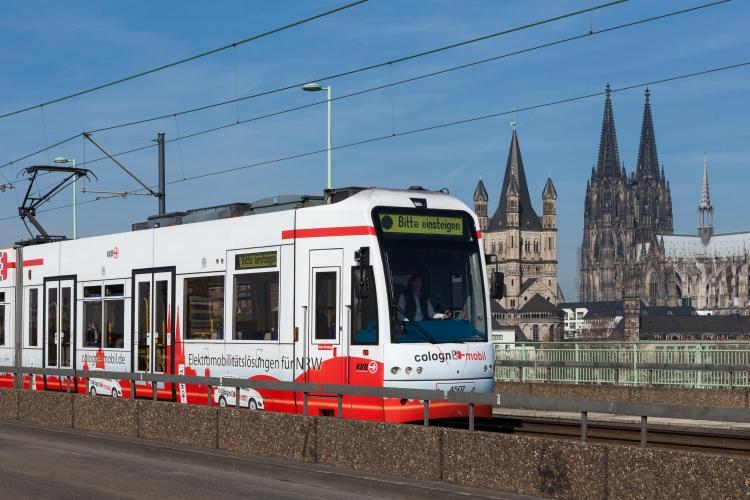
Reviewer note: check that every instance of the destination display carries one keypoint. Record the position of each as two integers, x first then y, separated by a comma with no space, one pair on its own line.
433,225
255,260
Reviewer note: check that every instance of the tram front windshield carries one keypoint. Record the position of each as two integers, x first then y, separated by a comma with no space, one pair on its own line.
435,277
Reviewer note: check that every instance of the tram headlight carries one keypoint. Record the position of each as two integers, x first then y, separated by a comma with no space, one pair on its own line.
395,370
419,369
407,370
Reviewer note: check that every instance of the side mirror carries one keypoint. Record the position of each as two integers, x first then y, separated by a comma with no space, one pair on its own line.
498,285
362,280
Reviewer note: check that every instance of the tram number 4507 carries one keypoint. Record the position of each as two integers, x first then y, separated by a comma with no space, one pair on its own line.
465,387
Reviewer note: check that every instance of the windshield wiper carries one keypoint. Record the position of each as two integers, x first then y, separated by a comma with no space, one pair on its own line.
416,324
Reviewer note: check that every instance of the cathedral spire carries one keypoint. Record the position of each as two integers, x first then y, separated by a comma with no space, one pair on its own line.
705,202
705,209
608,163
648,162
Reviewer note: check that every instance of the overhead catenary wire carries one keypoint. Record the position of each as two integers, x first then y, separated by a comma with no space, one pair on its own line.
334,76
185,60
399,82
420,130
370,67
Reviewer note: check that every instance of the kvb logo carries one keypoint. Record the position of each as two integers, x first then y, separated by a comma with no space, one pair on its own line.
114,253
371,367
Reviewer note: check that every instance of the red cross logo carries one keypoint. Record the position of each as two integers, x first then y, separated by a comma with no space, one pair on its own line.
5,265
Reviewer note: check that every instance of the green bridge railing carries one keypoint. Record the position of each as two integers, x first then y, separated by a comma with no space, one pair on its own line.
719,364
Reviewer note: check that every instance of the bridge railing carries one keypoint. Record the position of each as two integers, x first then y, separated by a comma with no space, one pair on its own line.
724,364
425,396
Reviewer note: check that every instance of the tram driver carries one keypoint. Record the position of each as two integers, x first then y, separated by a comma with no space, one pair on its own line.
415,304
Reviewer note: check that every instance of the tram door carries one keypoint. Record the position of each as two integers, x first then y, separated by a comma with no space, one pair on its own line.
59,327
326,343
152,321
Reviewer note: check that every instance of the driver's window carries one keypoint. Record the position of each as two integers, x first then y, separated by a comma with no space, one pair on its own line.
364,327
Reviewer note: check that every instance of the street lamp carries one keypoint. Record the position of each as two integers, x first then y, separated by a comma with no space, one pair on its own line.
316,87
62,159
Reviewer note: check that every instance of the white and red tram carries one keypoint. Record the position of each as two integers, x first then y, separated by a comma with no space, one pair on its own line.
295,289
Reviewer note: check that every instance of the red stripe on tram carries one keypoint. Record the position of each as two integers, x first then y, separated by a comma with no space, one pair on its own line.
320,232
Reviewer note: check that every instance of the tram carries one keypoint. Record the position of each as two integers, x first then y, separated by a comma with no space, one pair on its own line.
368,287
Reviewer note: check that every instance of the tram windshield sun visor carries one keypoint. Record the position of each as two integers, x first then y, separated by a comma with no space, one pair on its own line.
435,276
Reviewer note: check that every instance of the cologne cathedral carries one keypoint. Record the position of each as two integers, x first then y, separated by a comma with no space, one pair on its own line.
629,248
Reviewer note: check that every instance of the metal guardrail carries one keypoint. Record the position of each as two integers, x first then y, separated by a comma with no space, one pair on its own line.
537,403
642,410
718,364
307,389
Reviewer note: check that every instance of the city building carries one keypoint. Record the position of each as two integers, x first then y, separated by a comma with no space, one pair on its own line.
641,323
523,246
605,320
591,319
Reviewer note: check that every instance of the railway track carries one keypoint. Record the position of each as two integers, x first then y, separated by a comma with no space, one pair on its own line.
729,441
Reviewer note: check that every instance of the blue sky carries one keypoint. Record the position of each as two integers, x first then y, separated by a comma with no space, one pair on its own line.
50,49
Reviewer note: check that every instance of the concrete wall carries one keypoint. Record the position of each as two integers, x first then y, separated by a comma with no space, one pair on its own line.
53,409
526,465
9,405
106,415
510,463
187,425
721,398
402,450
294,436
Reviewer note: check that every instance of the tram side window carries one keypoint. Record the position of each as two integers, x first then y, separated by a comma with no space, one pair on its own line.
256,306
204,308
325,305
104,316
2,318
33,317
114,316
364,326
92,317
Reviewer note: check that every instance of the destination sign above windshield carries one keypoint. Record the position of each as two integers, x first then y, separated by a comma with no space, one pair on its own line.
432,225
255,260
